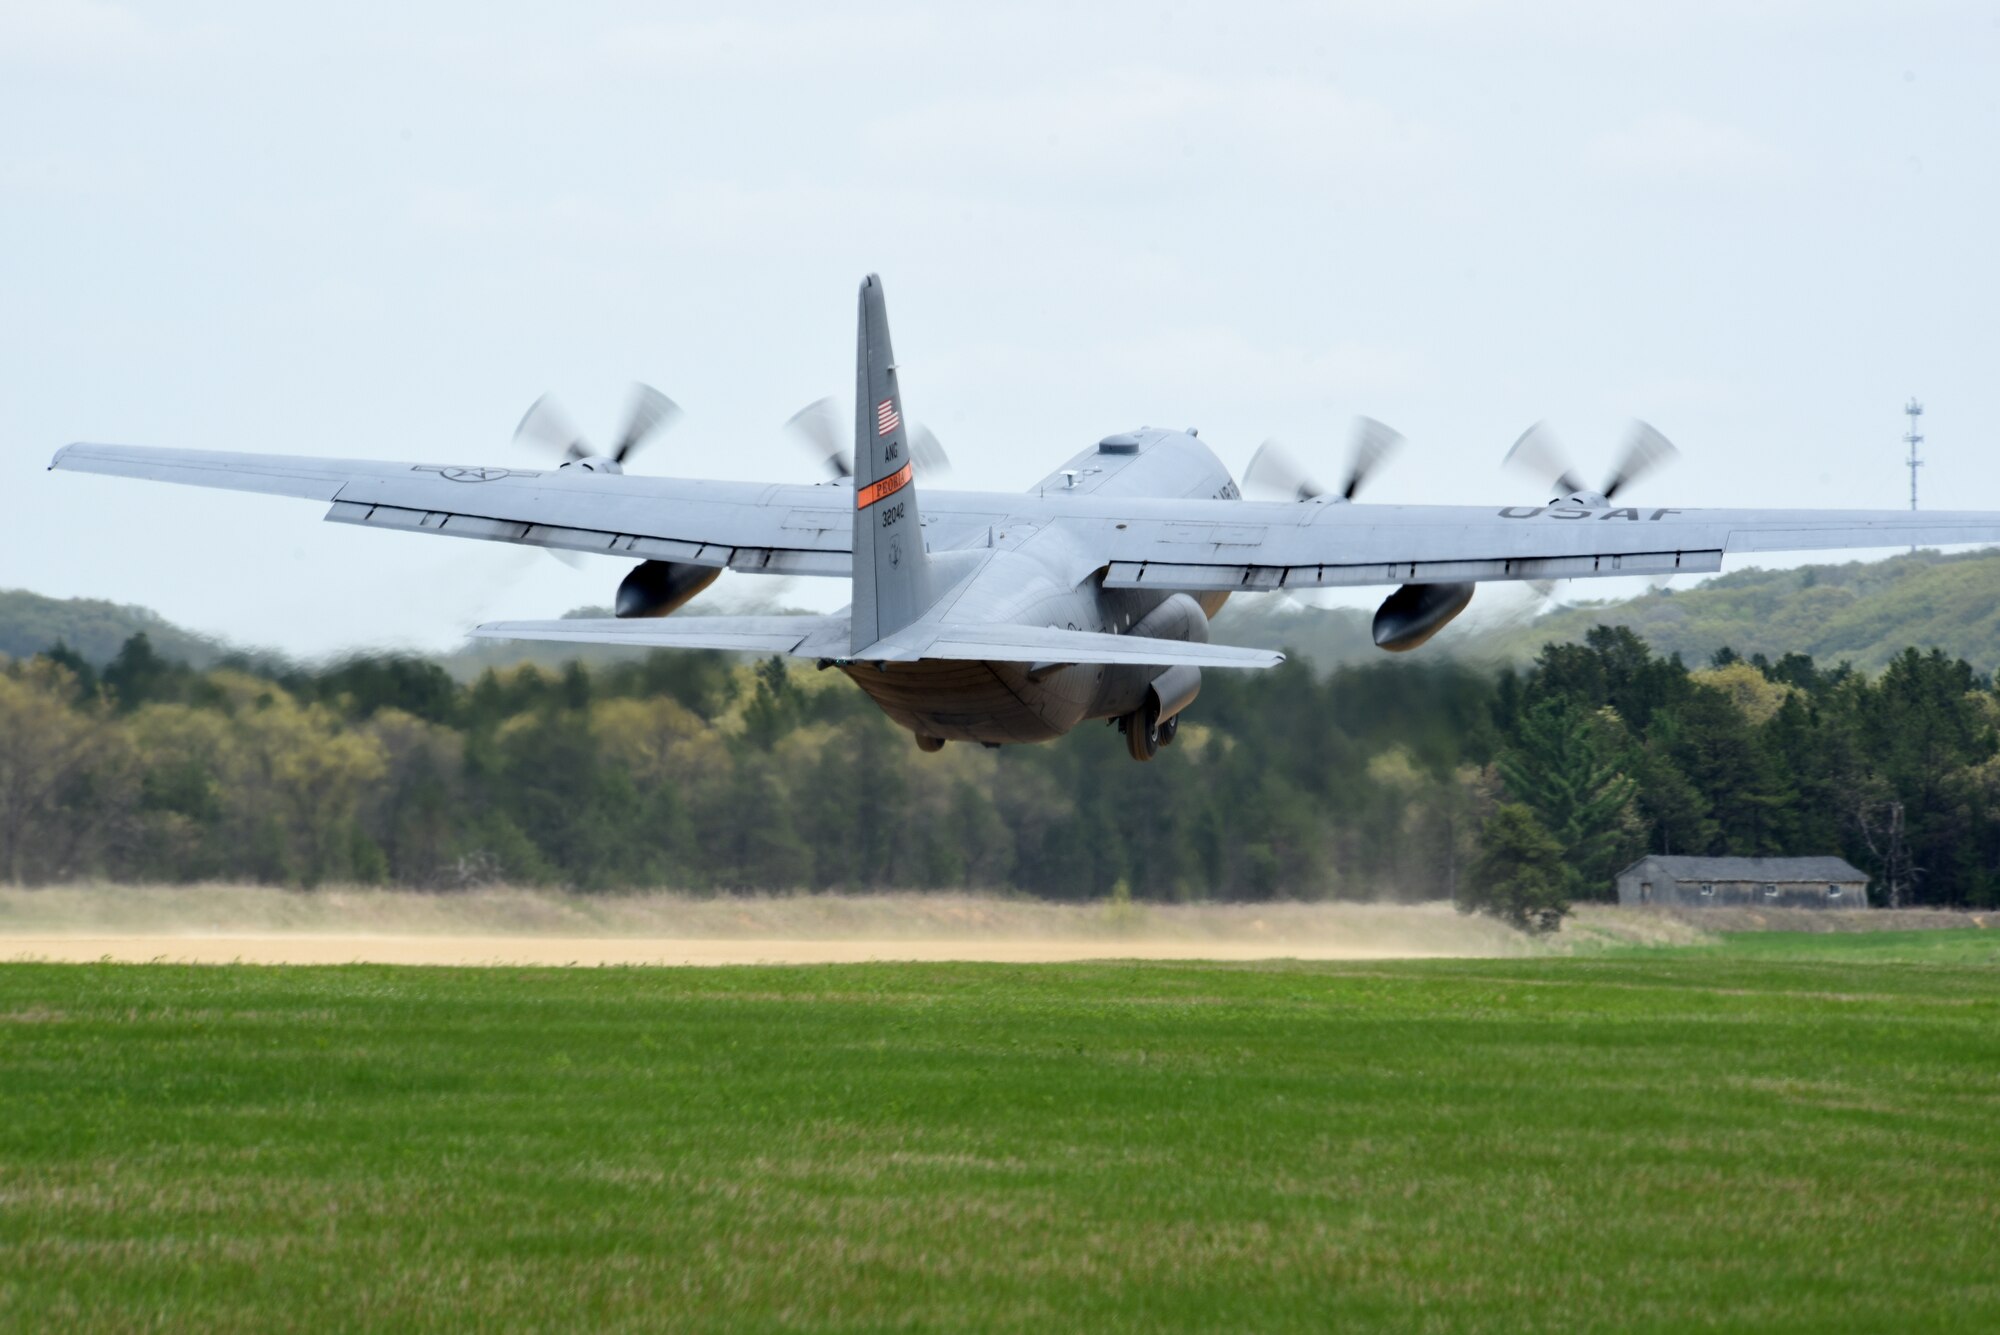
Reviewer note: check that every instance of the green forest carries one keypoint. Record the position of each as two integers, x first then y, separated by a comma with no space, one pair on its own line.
1409,778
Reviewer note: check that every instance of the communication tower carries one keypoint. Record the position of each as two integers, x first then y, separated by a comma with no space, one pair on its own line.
1913,438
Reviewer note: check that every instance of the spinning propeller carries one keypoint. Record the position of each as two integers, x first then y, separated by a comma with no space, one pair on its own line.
817,427
1538,454
546,425
1274,472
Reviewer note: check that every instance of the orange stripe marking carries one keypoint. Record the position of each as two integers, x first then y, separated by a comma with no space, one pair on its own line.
888,486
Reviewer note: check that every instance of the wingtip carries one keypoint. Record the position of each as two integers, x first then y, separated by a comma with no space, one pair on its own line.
506,630
55,461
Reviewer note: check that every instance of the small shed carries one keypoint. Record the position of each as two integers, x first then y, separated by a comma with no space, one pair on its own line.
1786,883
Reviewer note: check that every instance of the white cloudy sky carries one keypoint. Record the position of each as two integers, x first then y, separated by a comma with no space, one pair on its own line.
381,230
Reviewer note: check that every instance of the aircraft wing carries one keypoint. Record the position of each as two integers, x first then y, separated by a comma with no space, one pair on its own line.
1251,546
1194,544
768,528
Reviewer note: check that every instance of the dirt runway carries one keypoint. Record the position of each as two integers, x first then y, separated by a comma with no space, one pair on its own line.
317,948
505,925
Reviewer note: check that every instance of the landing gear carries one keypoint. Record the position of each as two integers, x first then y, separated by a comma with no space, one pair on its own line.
1142,730
929,743
1168,729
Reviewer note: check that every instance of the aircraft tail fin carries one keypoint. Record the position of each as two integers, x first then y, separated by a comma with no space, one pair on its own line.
892,577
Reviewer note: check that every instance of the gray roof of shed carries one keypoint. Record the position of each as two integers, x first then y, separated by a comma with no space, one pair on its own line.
1828,869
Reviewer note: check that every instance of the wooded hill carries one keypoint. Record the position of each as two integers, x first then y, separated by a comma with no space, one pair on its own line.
94,628
1863,613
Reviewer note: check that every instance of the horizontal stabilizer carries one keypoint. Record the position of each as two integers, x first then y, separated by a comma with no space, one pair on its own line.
805,635
1049,644
826,637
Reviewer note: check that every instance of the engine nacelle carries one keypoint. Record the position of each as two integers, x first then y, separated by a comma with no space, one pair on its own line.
1174,690
1415,612
655,588
1178,618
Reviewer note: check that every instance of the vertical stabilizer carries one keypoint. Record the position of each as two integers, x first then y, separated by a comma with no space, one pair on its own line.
891,571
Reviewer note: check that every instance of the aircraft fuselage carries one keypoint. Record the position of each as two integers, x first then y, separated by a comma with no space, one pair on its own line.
1026,577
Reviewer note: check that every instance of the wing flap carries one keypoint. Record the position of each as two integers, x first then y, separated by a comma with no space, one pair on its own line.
1197,577
596,542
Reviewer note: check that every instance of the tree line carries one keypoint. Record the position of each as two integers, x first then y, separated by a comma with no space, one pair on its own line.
1515,790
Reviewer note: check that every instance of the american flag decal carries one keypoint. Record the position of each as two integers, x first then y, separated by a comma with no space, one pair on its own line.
887,419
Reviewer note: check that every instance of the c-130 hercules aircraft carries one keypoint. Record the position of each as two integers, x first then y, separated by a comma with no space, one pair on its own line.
993,617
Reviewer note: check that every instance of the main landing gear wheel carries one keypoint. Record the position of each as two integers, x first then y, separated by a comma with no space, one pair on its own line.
929,743
1168,729
1142,732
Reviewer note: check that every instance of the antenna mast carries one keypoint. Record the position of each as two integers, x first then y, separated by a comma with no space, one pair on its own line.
1913,438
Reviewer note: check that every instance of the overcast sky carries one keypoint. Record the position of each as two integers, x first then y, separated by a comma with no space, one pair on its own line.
381,231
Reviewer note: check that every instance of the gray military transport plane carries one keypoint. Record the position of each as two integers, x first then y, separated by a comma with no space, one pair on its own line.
993,617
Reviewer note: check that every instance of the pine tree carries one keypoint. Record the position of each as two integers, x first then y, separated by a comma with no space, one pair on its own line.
1520,875
138,674
1562,770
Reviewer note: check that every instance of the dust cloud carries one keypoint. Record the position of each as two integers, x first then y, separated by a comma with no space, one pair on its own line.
227,923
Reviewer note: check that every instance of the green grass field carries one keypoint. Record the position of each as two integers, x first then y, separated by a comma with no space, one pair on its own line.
1780,1132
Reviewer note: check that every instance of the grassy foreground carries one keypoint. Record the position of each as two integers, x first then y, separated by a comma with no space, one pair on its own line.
1774,1133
